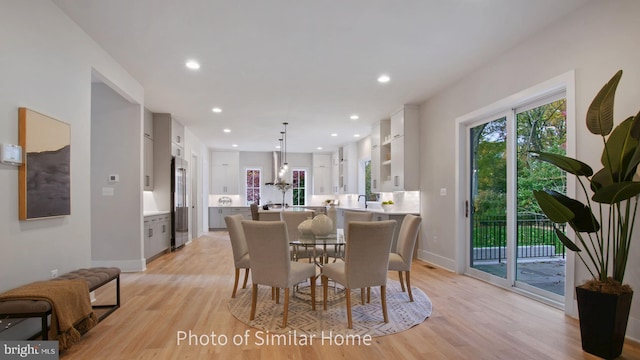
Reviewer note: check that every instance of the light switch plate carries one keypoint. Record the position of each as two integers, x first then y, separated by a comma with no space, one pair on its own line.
11,154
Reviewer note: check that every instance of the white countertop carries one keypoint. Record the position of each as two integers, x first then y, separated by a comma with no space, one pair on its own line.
157,212
285,209
380,211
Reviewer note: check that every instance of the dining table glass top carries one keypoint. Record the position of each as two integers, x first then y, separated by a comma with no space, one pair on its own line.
310,239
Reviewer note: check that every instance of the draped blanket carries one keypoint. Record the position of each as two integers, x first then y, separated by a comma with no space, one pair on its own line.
71,312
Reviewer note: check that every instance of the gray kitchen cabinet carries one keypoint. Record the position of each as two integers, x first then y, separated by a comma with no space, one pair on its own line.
148,164
157,235
148,150
217,215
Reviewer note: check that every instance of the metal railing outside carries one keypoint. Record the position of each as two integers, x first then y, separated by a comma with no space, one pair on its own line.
536,237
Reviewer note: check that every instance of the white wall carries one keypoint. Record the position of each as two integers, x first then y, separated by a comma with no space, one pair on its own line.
46,64
193,146
116,143
596,41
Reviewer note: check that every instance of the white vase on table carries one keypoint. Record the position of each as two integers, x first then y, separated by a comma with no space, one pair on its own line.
322,225
305,227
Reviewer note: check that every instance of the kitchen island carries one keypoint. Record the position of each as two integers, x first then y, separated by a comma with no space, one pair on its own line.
274,214
379,215
218,213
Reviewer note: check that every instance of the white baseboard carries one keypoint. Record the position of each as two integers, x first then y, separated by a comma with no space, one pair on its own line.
437,260
633,329
124,265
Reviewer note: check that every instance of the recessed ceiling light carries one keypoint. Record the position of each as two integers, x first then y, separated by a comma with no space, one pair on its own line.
192,64
216,110
277,146
355,117
356,135
234,145
334,134
319,148
227,130
384,78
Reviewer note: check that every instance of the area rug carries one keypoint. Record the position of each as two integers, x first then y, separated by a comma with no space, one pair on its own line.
304,322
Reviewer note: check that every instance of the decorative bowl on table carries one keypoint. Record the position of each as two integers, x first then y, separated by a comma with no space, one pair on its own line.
387,207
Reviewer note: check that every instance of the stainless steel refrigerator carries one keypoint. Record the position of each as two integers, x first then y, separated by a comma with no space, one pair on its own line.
179,208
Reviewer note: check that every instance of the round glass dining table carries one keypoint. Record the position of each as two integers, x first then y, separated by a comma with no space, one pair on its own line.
318,246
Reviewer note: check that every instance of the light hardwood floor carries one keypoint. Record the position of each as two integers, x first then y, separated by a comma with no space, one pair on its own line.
189,290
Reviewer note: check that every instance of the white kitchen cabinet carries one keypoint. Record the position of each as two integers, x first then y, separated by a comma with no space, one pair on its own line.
322,174
375,158
335,173
225,168
217,215
399,167
347,168
157,232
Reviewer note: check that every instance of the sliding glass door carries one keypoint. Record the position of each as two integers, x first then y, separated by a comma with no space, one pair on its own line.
510,241
487,207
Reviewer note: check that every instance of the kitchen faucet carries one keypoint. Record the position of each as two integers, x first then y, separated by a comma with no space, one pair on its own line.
365,200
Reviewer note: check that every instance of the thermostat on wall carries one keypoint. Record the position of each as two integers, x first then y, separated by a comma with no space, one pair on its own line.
11,154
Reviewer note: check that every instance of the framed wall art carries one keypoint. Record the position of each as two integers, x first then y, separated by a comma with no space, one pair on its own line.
45,175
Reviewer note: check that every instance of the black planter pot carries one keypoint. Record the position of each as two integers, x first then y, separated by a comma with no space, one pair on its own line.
603,321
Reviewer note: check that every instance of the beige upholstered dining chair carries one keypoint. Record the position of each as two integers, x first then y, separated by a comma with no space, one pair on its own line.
293,219
366,262
239,247
255,214
350,216
270,263
400,260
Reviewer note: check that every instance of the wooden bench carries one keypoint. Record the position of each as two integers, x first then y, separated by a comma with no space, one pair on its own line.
95,278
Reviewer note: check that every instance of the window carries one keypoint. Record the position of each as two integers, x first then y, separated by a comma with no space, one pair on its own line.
253,186
299,187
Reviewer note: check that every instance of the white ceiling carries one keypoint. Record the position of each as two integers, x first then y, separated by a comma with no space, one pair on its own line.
309,63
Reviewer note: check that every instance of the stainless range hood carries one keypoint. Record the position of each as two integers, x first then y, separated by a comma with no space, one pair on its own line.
275,163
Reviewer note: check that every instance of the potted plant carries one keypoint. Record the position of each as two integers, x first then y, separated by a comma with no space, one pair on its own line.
603,224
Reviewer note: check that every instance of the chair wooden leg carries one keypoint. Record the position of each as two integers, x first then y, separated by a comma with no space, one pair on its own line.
383,298
325,286
277,295
408,275
369,295
348,295
246,277
401,280
235,283
312,281
273,293
362,290
286,307
254,300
